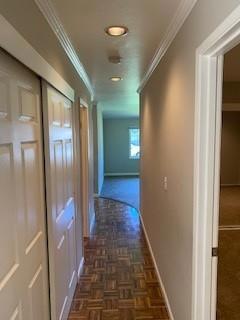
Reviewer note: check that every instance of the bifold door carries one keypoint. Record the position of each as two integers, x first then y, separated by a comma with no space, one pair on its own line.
24,293
60,200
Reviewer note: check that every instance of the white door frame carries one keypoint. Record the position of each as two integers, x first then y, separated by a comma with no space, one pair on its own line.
208,109
84,141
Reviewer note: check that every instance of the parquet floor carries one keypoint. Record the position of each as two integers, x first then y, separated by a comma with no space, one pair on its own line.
118,279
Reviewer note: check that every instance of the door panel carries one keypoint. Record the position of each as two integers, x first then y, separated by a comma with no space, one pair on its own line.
23,253
30,157
61,202
6,175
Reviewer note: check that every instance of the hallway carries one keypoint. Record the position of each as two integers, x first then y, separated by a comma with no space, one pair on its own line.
118,279
119,120
124,189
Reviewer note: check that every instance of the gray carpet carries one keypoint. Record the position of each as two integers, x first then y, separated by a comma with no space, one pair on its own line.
229,256
125,189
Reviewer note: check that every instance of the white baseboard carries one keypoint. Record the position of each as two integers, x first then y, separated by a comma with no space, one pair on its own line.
230,184
80,267
121,174
157,271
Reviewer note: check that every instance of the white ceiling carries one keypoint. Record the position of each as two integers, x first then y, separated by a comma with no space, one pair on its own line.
84,22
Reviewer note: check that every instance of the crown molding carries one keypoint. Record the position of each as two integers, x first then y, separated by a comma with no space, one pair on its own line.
48,11
179,18
16,45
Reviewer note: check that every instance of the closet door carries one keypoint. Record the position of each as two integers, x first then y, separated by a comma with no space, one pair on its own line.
23,259
60,200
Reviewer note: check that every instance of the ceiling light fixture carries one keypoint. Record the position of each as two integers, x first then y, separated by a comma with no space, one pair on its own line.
115,59
116,31
115,79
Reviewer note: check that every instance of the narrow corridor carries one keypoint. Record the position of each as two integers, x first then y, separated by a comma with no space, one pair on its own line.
123,189
118,280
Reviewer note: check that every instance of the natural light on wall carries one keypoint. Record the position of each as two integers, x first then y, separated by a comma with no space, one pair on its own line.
134,145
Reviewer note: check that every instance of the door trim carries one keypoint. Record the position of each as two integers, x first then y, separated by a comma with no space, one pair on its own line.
15,44
208,108
50,248
84,141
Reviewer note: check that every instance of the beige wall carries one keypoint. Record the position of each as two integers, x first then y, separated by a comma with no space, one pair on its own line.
98,148
230,151
116,146
28,20
167,123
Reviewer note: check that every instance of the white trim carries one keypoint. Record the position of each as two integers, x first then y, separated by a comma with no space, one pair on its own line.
231,107
49,12
157,270
14,43
96,195
208,110
80,267
83,103
120,174
178,20
92,223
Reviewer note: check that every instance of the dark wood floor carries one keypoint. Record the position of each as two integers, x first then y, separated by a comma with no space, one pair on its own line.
118,280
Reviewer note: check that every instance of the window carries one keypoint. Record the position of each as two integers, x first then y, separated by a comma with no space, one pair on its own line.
134,146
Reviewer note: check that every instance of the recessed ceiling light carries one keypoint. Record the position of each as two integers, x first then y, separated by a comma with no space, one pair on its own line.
115,59
116,31
115,79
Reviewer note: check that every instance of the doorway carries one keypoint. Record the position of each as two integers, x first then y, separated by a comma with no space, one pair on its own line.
228,284
208,128
121,146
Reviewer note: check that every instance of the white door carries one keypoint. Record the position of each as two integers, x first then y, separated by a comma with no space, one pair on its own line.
23,259
60,200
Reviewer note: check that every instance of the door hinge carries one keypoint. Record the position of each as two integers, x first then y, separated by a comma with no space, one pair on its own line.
215,252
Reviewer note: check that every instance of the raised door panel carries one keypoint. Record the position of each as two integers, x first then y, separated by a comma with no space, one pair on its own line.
71,252
59,177
56,112
61,276
67,112
17,314
4,98
28,105
32,198
35,296
69,169
8,226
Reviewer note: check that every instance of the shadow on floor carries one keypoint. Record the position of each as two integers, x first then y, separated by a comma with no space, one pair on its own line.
124,189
